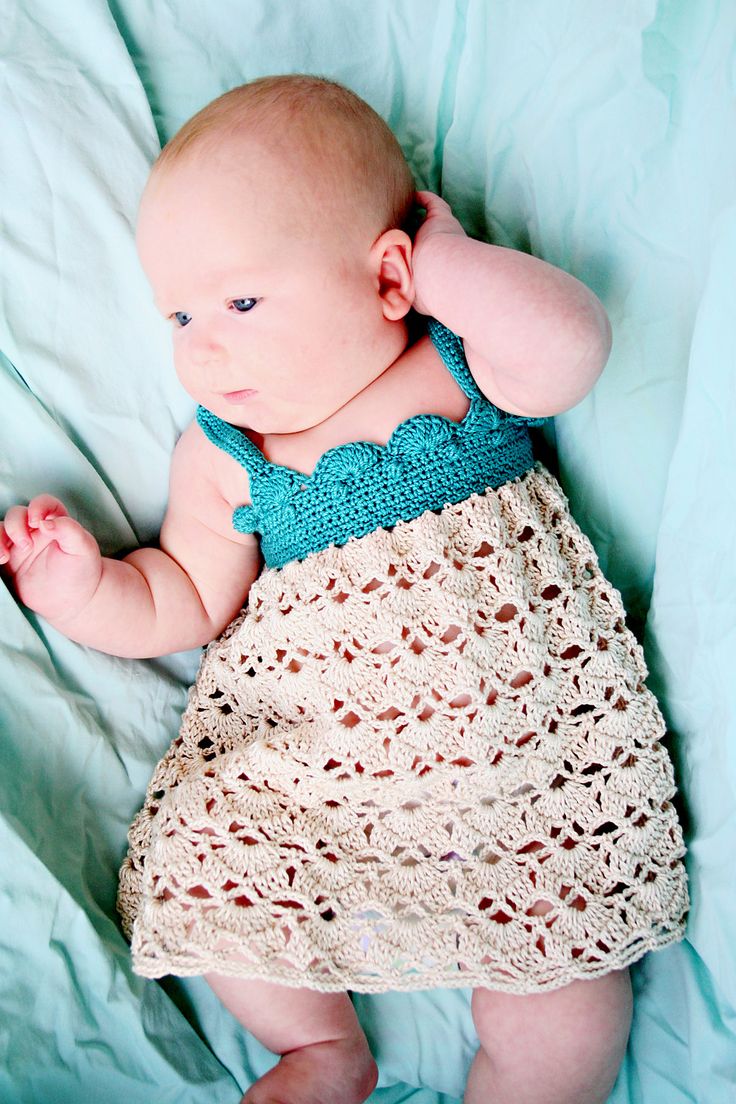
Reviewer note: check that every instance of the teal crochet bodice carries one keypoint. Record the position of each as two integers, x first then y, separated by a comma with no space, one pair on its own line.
428,462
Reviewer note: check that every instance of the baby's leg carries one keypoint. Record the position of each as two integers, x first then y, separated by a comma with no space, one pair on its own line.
324,1053
561,1047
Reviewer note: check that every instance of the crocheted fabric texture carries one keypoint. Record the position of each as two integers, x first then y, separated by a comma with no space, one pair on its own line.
424,758
427,462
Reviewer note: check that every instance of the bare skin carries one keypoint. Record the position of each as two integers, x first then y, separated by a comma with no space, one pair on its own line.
299,338
558,1047
325,1055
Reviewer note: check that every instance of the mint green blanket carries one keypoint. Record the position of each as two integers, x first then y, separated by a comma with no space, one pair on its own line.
599,136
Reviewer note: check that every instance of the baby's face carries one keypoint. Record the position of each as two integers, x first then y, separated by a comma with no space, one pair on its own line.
271,305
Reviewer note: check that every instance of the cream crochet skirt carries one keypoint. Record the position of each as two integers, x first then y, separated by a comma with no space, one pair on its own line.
426,758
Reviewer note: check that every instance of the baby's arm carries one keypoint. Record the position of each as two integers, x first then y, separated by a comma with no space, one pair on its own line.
536,339
156,600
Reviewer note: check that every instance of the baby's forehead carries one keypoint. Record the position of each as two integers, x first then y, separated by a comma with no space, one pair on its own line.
291,179
201,219
210,176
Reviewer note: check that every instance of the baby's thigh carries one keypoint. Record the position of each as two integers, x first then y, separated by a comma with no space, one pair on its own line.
573,1039
283,1018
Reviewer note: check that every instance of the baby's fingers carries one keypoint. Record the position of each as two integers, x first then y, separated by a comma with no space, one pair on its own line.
70,536
433,204
429,199
438,220
21,522
44,506
16,531
5,545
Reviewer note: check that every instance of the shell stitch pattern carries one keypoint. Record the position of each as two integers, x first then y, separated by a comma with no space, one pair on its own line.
355,488
424,758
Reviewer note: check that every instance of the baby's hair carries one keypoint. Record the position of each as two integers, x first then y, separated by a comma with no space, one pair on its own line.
341,135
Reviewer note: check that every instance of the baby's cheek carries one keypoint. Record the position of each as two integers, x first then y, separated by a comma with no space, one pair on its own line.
188,379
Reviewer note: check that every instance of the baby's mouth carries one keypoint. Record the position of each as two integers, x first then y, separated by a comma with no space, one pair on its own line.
239,396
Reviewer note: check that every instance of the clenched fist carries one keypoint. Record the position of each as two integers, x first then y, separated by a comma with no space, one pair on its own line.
54,563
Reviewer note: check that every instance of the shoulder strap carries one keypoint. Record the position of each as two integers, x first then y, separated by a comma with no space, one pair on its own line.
450,348
233,441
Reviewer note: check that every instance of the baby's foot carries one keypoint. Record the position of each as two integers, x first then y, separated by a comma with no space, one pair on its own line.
338,1072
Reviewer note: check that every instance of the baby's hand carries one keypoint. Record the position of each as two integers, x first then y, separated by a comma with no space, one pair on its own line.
55,564
439,220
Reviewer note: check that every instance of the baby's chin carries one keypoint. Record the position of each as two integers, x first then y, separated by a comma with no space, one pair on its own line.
248,415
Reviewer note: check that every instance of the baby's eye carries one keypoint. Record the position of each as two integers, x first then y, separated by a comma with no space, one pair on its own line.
182,318
243,305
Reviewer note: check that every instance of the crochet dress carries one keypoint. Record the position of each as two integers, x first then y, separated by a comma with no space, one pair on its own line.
424,755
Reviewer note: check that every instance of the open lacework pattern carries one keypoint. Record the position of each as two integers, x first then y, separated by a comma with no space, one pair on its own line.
424,758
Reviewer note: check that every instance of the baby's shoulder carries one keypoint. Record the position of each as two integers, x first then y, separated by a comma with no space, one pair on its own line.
204,468
423,369
418,382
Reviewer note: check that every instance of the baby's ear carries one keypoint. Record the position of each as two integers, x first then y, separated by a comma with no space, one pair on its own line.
391,255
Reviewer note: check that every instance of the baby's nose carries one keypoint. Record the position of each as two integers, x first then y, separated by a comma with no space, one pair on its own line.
206,351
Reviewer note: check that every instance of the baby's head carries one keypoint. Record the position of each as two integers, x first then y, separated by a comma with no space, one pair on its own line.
344,160
271,232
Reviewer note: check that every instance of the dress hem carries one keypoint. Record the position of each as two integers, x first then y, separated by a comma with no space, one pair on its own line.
181,966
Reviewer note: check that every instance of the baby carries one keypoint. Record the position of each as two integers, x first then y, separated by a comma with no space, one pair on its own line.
420,751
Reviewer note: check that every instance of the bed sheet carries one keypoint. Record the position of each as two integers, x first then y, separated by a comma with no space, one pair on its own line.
595,135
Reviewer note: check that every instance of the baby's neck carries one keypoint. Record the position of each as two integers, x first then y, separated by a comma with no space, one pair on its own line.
387,353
